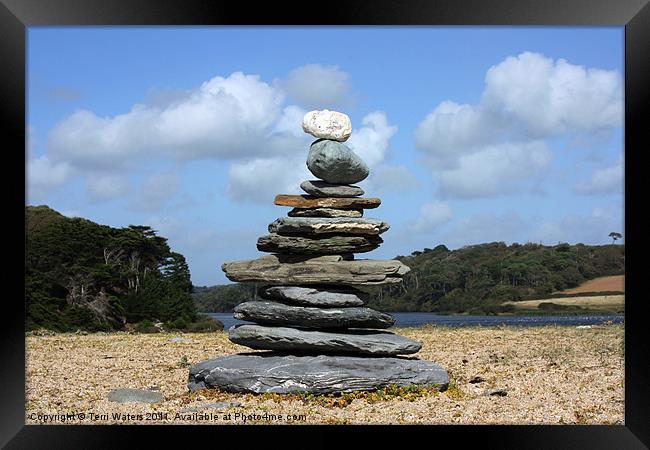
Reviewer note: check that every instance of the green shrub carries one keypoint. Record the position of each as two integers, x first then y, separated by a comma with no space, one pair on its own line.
146,326
205,324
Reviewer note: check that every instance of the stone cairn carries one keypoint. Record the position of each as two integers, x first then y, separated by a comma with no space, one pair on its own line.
322,339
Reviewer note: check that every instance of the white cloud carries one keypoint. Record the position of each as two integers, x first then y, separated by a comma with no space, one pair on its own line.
451,130
260,179
316,86
551,97
290,121
496,170
496,147
106,186
431,216
155,192
224,118
603,181
44,175
371,142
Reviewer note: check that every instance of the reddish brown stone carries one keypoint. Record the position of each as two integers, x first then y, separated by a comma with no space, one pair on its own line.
308,201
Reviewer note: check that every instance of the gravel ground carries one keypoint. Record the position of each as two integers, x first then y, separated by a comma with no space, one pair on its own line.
543,375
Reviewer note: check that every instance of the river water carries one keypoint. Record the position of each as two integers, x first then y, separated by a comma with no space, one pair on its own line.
415,319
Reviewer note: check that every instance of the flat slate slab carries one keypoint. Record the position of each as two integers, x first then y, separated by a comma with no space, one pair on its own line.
275,313
125,395
325,212
323,374
321,245
336,225
308,201
362,342
276,269
320,188
308,296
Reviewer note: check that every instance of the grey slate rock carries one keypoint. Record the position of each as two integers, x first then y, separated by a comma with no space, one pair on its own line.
317,226
362,342
335,163
320,188
135,395
325,212
180,340
308,296
329,269
323,374
274,313
325,245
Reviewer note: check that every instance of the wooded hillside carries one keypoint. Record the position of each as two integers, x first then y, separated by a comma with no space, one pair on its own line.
82,275
474,279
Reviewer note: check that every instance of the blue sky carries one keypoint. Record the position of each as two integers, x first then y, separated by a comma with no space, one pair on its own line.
472,134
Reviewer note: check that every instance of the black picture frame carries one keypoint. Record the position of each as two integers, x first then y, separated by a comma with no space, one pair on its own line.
634,15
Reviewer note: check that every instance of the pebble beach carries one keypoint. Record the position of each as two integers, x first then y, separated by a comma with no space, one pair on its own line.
497,375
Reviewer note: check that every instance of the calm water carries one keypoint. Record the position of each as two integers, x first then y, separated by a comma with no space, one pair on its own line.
414,319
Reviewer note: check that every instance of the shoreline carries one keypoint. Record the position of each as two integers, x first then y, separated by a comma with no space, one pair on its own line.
537,375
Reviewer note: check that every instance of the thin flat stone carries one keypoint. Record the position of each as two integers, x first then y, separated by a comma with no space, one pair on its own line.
323,374
362,342
126,395
275,243
275,313
325,212
335,163
273,269
308,296
319,225
320,188
326,124
307,201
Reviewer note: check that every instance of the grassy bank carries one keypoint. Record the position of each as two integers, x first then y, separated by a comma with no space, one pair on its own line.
542,375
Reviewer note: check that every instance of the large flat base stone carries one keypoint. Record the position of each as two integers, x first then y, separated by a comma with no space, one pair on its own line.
289,374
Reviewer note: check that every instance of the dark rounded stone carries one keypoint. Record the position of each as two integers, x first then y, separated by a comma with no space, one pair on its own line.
335,163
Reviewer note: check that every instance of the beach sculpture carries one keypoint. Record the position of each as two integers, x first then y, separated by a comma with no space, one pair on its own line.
311,319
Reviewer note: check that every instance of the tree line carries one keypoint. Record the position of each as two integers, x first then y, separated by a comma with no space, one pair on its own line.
474,279
82,275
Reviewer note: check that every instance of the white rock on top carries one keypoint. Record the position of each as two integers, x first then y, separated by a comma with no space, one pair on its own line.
327,124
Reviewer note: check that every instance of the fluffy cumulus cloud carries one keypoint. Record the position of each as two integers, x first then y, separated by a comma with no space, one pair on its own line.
43,175
496,170
371,142
259,179
224,117
317,86
497,146
155,192
432,215
551,97
106,187
239,118
608,180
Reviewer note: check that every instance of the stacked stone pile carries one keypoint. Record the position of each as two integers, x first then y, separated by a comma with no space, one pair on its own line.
312,315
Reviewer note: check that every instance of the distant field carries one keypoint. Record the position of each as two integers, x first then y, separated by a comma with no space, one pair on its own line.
602,284
607,303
